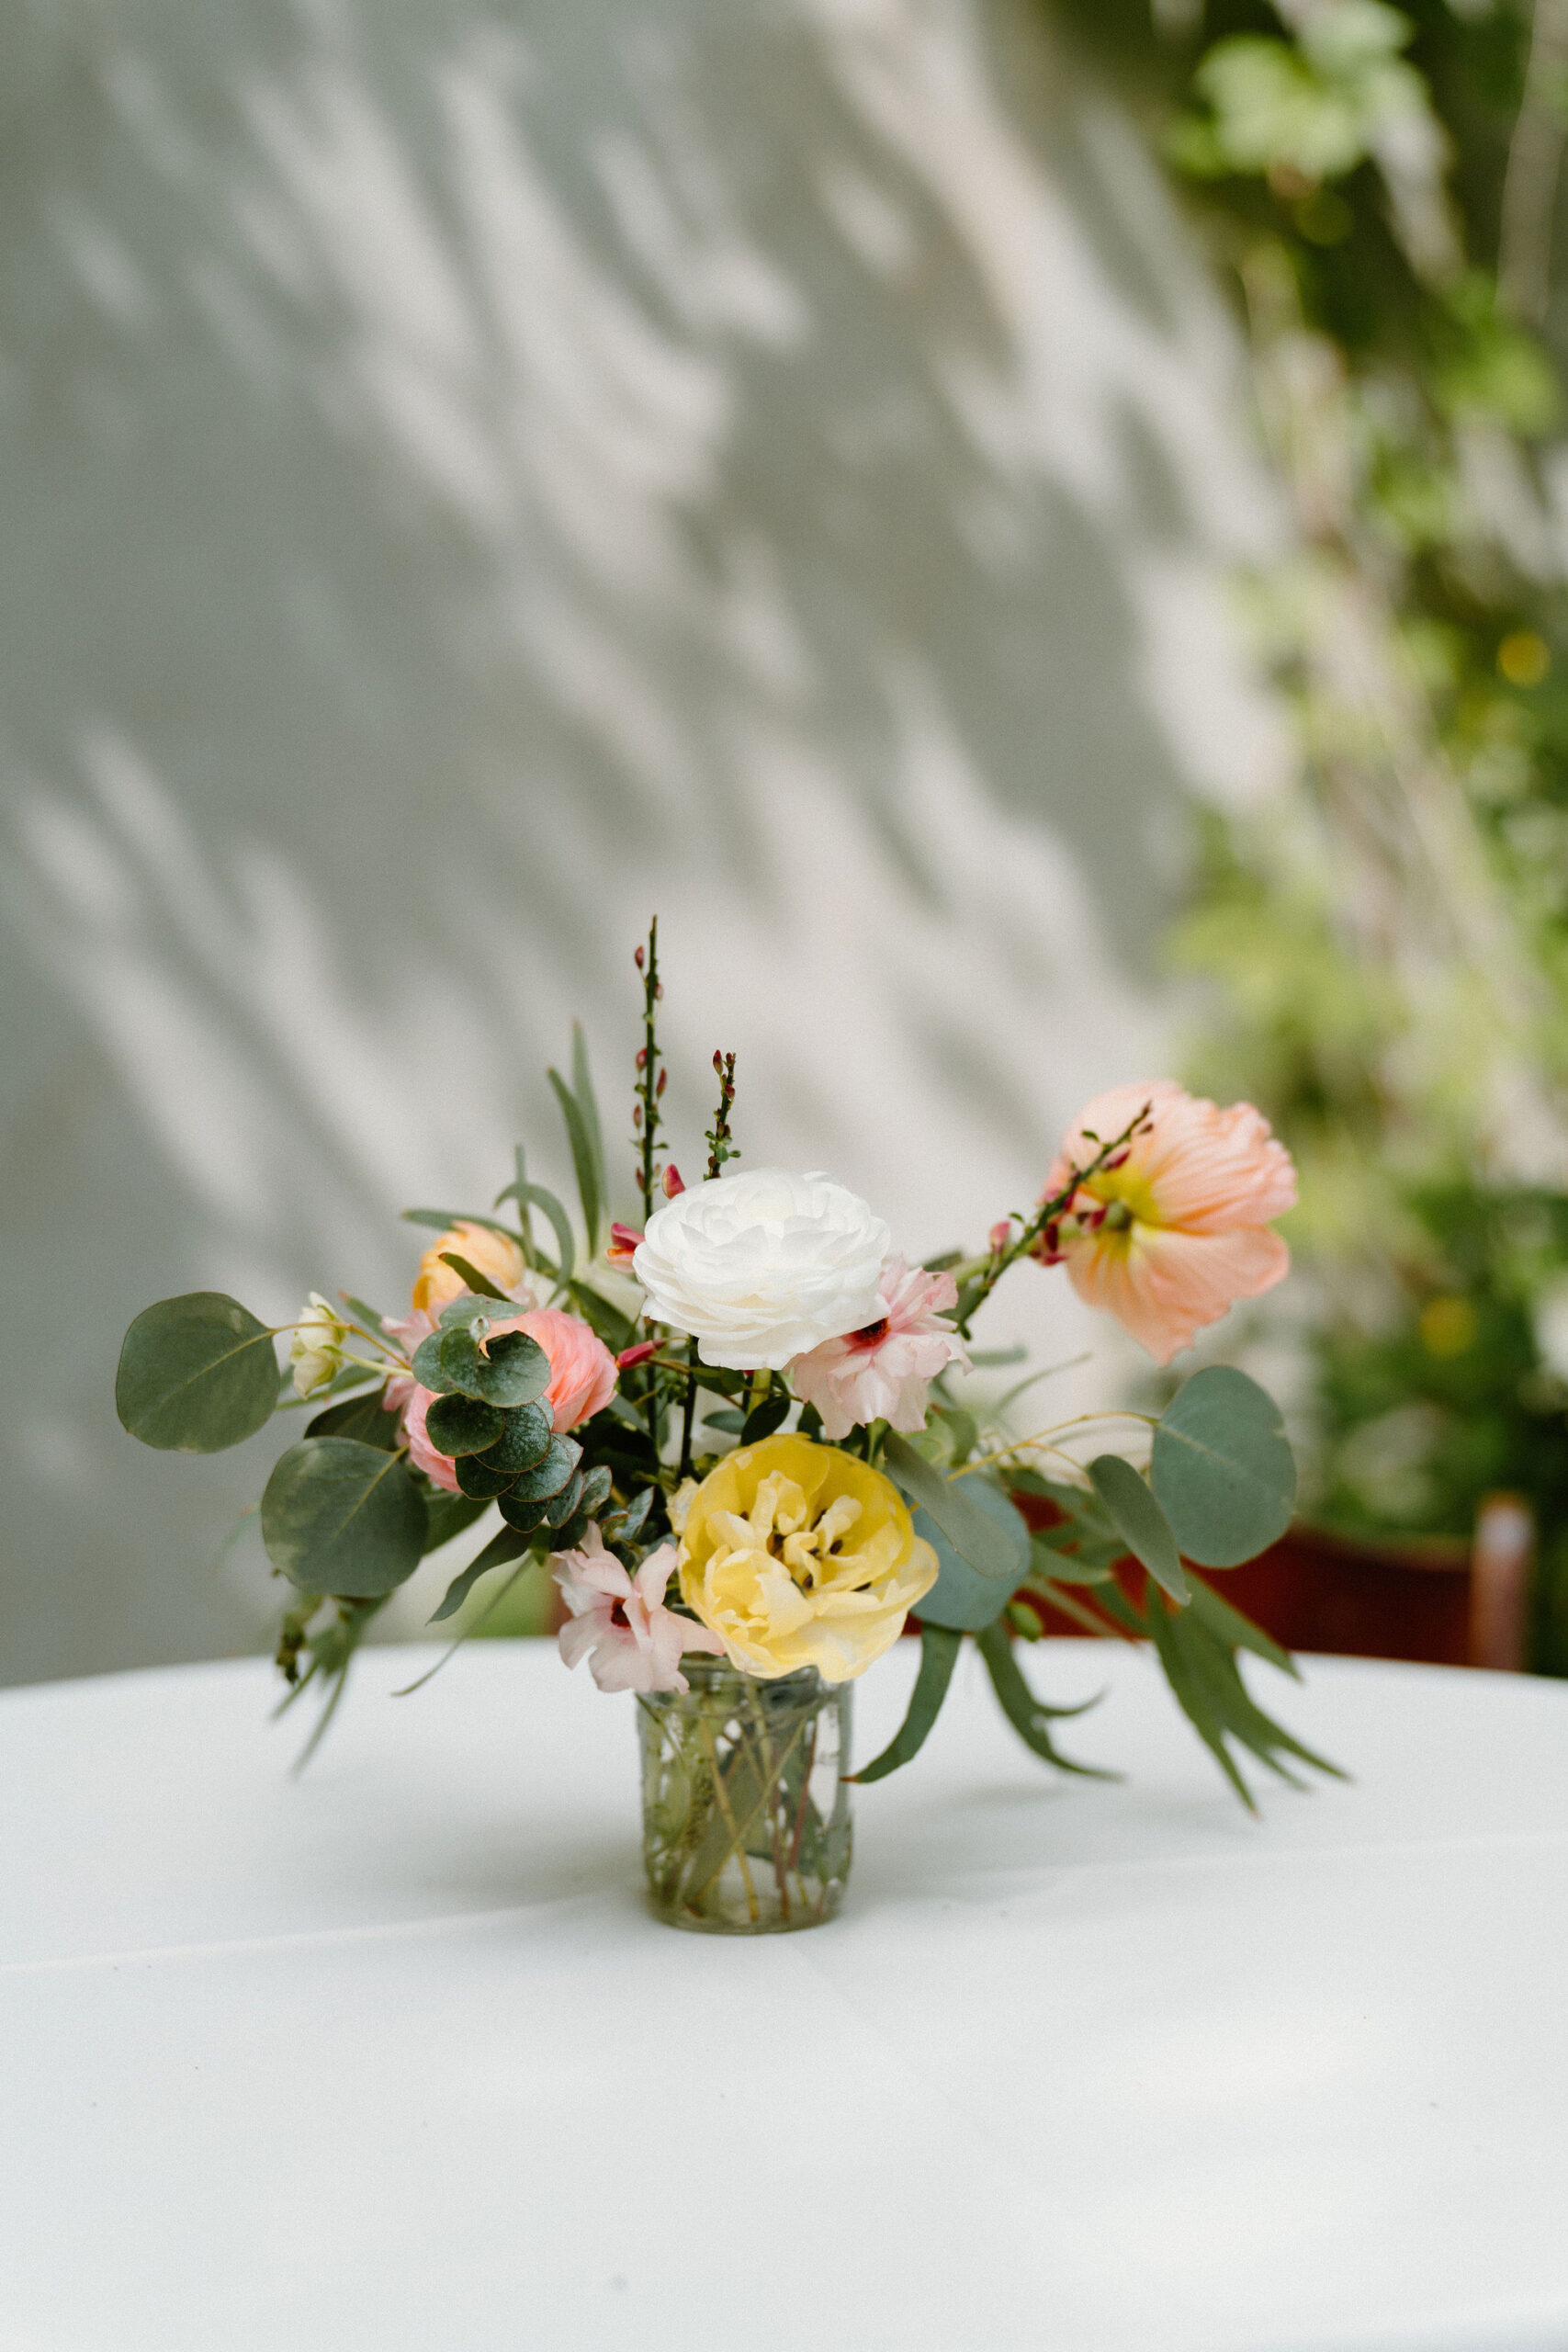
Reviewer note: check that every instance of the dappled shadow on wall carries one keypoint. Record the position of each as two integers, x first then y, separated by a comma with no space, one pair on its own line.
484,479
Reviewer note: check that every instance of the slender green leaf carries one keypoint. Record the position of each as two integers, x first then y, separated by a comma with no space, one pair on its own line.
582,1159
1222,1468
341,1517
537,1196
196,1375
501,1549
587,1108
617,1330
1029,1717
1140,1522
480,1285
939,1655
369,1316
961,1598
1228,1625
979,1537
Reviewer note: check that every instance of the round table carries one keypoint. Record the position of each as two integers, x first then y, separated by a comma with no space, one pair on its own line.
391,2055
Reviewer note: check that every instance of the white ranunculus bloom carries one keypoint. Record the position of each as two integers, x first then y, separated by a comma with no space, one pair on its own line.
761,1267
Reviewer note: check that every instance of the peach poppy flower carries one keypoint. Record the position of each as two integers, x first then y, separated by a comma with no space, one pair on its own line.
1176,1230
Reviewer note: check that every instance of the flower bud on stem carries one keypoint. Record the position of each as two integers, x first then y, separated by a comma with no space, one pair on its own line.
1049,1213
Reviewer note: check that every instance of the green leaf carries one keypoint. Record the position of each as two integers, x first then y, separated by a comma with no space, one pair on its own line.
498,1553
1029,1717
536,1196
617,1330
361,1417
196,1375
587,1108
763,1421
596,1492
523,1513
341,1517
1201,1668
525,1433
549,1475
462,1424
726,1419
512,1370
448,1516
562,1507
939,1655
1223,1470
469,1309
978,1536
589,1188
368,1315
477,1480
1236,1631
480,1285
1140,1522
961,1598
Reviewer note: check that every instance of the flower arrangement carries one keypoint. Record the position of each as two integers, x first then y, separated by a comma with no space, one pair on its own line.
737,1435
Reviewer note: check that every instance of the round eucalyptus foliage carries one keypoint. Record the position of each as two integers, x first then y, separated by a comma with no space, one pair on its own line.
1222,1469
196,1375
342,1518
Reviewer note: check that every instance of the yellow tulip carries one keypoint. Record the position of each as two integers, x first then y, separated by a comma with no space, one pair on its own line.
497,1258
798,1555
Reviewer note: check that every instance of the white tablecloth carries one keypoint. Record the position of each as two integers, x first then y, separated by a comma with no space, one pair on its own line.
392,2056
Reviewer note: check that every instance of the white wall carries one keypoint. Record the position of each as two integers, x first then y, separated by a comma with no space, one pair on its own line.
471,475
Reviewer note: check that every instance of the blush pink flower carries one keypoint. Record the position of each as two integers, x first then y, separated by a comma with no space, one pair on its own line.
619,1623
582,1383
1175,1230
582,1369
882,1372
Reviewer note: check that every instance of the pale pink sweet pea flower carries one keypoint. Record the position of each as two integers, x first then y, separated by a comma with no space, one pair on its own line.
1177,1230
882,1372
619,1623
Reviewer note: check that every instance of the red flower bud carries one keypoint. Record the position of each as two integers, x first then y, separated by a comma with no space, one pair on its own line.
640,1354
673,1183
999,1233
624,1241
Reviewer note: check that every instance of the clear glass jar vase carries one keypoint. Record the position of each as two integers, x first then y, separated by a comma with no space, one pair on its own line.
746,1823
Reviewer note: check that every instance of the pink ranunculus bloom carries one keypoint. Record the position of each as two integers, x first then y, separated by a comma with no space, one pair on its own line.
438,1467
1175,1230
619,1623
582,1383
582,1369
882,1372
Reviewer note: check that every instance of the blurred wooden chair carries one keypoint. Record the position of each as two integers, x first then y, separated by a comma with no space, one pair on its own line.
1436,1600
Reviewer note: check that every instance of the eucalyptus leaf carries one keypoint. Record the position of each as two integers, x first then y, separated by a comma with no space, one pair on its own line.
550,1474
523,1513
1140,1522
196,1375
361,1417
562,1507
510,1369
1029,1717
1222,1468
962,1598
525,1433
341,1517
501,1549
477,1480
448,1516
596,1491
463,1424
979,1537
939,1655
